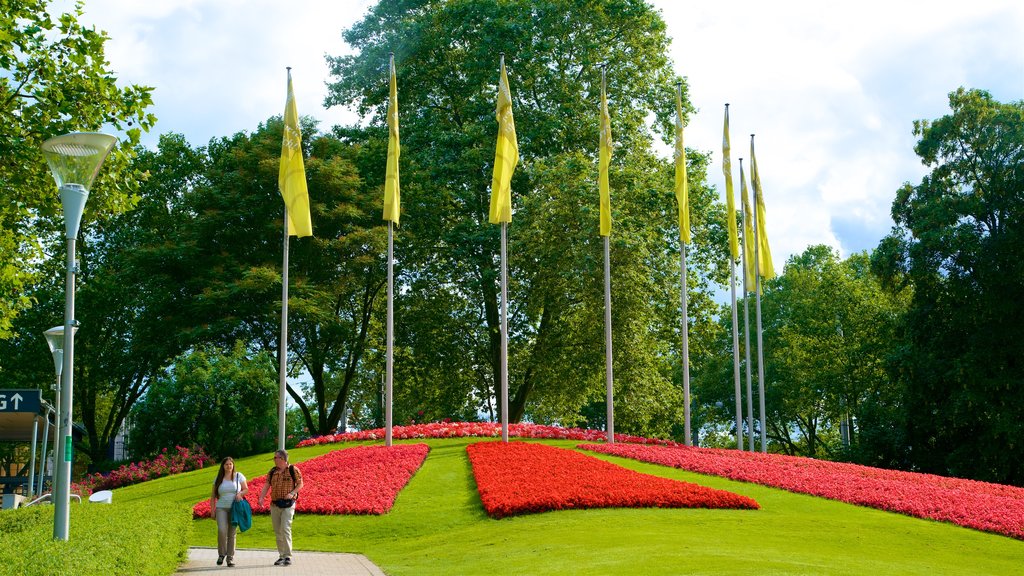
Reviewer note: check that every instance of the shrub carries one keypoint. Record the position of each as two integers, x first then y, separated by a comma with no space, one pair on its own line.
98,543
182,460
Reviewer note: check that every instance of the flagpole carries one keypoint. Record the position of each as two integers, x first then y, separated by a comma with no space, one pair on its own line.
390,335
504,319
736,355
686,345
757,288
733,254
746,335
504,332
683,298
609,398
283,352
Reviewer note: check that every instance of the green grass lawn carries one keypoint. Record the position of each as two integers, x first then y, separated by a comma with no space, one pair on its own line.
438,526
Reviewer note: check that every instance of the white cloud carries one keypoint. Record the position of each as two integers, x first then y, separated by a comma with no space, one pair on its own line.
831,90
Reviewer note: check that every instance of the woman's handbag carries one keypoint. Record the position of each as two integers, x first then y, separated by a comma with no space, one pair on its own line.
241,511
241,514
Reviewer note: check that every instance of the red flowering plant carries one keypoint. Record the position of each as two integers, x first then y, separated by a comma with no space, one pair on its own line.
358,480
521,477
980,505
181,460
480,429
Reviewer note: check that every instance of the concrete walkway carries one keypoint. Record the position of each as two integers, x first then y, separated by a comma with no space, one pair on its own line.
260,562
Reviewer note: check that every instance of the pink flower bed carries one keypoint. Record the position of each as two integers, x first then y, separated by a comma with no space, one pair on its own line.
357,480
181,460
480,429
980,505
521,477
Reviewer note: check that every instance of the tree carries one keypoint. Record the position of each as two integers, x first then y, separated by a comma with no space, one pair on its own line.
221,400
828,332
958,243
55,80
447,58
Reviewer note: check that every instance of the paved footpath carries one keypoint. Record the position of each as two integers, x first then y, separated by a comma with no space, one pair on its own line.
260,562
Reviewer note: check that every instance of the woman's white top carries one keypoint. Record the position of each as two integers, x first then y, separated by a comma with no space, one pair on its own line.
227,490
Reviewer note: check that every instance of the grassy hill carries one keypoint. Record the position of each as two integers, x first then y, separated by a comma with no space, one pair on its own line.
439,527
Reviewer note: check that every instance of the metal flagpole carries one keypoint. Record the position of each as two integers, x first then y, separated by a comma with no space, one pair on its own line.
746,336
686,344
736,355
682,280
282,369
609,400
760,341
608,341
390,335
504,333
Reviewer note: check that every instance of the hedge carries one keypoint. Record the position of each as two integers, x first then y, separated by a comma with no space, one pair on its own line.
128,538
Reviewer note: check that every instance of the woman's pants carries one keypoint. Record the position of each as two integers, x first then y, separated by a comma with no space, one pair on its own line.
225,533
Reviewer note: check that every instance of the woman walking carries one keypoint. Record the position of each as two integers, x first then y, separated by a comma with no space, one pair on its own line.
229,486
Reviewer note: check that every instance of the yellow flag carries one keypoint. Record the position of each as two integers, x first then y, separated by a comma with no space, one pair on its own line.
506,154
682,190
764,254
292,177
392,196
604,159
748,232
730,201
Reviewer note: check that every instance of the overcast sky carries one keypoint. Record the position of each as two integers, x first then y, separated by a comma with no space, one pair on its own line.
830,89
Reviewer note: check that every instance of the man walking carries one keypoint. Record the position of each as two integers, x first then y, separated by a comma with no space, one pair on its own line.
283,482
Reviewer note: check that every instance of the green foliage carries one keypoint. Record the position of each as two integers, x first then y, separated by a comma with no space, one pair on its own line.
958,243
448,262
223,401
142,538
828,332
56,80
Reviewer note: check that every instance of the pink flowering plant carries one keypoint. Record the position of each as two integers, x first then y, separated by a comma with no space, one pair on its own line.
448,429
181,460
357,480
979,505
523,477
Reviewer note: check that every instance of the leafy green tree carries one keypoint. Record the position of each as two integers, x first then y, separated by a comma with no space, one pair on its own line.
828,332
447,57
223,401
56,80
958,243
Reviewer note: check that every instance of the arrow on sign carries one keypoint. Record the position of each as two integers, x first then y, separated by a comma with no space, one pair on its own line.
17,400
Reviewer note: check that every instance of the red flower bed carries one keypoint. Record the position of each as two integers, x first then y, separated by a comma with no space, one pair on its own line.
480,429
358,480
521,477
181,460
980,505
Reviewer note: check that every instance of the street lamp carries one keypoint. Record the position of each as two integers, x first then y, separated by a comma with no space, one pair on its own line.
74,160
55,341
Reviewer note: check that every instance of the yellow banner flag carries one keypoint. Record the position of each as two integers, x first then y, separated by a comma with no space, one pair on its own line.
604,159
730,201
682,189
748,232
292,177
392,195
764,253
506,154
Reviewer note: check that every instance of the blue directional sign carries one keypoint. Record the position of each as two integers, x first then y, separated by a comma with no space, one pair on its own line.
20,400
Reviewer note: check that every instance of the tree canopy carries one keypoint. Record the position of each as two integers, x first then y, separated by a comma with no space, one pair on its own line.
958,243
56,80
447,55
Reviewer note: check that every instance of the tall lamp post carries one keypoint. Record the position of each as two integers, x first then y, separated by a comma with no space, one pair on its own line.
55,341
75,160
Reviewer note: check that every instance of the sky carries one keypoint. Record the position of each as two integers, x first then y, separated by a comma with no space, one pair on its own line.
830,89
